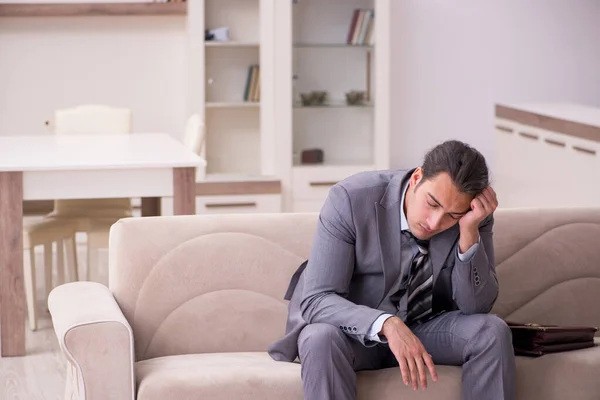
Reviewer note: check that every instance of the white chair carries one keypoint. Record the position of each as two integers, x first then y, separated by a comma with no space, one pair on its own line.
46,233
194,139
92,216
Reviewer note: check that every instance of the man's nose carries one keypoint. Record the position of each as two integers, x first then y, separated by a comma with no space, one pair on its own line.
434,221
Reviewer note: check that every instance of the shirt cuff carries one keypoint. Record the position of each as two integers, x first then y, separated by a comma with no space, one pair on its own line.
373,333
466,257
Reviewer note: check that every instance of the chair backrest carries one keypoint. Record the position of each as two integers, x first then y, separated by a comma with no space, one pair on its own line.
194,139
92,119
215,283
194,134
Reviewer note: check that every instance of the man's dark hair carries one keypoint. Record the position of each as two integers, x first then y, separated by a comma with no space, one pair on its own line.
465,165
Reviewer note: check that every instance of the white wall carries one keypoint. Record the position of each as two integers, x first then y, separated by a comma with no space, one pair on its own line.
453,60
135,62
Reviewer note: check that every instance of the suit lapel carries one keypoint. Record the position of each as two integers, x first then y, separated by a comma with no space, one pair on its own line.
388,229
440,247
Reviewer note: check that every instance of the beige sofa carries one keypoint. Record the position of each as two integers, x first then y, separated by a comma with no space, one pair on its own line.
194,302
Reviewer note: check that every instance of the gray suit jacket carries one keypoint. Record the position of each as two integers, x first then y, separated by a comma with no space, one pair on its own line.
355,260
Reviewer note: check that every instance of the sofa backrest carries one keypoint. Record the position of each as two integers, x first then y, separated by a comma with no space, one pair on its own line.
548,265
215,283
206,283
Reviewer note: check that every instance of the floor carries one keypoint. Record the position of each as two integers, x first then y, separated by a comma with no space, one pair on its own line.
40,374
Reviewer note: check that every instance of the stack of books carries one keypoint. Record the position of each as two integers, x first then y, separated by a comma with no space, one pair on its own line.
361,27
252,91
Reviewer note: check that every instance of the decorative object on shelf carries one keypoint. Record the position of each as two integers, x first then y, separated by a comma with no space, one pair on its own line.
217,35
307,99
361,28
355,98
314,98
312,156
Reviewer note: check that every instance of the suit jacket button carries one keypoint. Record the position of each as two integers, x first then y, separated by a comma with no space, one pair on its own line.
354,329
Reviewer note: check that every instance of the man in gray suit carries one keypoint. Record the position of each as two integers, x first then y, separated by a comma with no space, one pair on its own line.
401,273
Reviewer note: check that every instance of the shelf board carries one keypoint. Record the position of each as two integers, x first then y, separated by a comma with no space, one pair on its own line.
234,104
238,185
333,105
335,166
90,9
231,44
333,45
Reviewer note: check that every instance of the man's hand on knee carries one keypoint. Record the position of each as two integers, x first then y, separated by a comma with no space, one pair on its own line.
410,353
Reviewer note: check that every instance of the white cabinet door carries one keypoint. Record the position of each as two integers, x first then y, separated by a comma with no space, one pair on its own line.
228,204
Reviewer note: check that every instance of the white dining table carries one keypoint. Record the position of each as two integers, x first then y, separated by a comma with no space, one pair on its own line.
48,167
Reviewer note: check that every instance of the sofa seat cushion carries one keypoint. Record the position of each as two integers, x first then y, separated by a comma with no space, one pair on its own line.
256,376
569,375
229,376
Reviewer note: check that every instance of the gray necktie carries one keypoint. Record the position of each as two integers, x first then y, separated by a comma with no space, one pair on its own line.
420,294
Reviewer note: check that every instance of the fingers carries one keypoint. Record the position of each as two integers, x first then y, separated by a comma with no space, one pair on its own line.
492,192
404,370
486,201
414,377
431,366
422,372
490,198
486,205
477,204
417,372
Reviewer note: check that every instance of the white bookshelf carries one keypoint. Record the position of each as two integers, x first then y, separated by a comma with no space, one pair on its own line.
238,141
240,147
313,34
262,140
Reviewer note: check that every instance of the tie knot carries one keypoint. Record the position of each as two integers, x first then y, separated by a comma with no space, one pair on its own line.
423,244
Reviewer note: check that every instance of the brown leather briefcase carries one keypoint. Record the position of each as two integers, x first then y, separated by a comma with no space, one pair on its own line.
536,340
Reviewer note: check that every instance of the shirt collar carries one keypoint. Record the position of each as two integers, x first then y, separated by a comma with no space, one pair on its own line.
403,220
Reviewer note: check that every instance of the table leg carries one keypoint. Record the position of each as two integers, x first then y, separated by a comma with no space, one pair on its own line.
12,289
151,206
184,191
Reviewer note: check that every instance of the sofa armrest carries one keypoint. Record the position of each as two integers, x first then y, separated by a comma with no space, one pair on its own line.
96,339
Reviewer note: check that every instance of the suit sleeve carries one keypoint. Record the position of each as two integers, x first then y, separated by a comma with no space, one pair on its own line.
474,281
329,272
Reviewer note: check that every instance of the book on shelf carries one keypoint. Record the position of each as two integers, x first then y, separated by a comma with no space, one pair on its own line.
361,27
252,90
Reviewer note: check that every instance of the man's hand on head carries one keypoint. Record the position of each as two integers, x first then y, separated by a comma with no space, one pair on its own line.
482,206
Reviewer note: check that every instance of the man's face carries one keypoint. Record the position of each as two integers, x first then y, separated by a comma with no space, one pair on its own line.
434,205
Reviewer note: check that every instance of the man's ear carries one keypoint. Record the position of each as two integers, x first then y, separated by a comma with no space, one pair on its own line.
416,177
